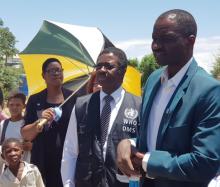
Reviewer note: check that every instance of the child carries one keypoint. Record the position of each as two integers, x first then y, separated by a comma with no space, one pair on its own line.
10,128
18,173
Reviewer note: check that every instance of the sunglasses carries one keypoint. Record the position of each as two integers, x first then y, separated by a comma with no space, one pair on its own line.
107,66
54,71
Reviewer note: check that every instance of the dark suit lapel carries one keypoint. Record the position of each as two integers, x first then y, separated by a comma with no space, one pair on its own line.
94,110
176,97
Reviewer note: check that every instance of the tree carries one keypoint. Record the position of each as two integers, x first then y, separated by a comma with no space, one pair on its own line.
147,66
7,42
216,68
133,62
9,76
1,22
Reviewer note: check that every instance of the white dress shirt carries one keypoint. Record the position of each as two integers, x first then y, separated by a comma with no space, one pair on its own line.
71,149
215,182
162,98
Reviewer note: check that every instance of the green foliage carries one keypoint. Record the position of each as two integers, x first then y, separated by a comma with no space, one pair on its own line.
7,42
9,78
147,66
1,22
216,68
133,62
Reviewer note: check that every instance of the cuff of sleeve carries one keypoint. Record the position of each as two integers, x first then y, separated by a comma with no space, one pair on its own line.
145,161
133,141
69,183
122,178
144,164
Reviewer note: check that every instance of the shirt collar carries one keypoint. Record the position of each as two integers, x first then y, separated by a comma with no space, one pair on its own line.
175,80
117,94
10,176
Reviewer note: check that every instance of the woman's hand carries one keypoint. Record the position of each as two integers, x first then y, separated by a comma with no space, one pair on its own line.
48,114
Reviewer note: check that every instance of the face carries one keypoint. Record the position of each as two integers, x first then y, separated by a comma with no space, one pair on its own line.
15,106
169,46
53,74
108,72
12,153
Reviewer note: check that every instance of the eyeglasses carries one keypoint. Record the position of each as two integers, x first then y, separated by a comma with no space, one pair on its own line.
107,66
54,71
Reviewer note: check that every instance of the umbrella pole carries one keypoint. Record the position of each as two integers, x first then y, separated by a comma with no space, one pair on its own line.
41,122
75,91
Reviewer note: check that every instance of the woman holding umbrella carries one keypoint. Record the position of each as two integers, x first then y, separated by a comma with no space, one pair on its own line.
48,140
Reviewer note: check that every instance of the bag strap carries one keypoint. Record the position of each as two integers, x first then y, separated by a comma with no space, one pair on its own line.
5,125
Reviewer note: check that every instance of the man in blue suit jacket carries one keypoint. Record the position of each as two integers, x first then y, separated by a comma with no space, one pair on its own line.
179,143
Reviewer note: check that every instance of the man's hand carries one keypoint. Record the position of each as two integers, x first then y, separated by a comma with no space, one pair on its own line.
124,155
137,159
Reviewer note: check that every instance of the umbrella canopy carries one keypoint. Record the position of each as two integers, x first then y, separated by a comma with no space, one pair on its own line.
77,47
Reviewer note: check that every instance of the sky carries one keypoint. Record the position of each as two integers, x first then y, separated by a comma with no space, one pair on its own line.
128,24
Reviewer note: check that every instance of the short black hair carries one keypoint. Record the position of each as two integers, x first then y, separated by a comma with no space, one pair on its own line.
11,140
184,20
117,52
47,62
17,95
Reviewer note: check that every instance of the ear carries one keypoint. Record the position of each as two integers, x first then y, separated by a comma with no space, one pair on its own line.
192,39
122,71
2,156
119,70
43,75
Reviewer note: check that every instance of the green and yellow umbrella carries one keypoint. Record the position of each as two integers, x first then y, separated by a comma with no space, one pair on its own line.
77,47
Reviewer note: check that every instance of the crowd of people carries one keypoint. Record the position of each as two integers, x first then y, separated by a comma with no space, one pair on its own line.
108,137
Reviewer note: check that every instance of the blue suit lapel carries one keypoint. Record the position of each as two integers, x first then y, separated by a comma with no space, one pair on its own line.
148,98
145,110
176,97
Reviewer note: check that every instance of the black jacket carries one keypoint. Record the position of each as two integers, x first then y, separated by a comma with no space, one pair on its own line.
48,145
91,169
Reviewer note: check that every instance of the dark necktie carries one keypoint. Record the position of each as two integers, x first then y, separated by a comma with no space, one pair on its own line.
105,118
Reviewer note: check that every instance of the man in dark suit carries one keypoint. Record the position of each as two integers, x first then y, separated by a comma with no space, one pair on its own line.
95,127
179,142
